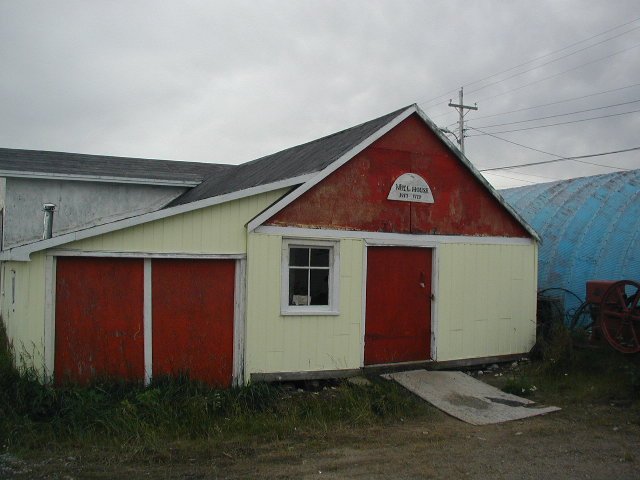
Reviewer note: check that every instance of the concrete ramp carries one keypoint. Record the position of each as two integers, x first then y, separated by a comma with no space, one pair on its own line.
466,398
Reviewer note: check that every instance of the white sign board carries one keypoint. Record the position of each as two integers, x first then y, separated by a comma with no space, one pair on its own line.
410,187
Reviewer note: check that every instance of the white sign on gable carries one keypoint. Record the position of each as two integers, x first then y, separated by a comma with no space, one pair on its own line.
410,187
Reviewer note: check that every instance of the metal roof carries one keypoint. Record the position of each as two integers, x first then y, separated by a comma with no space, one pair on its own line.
293,162
37,163
590,228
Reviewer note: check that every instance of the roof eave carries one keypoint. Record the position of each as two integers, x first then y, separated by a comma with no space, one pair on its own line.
22,253
98,178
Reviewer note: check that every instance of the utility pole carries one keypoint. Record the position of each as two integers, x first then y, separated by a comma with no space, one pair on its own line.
461,107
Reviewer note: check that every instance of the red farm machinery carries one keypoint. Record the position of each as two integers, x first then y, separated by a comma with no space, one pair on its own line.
611,311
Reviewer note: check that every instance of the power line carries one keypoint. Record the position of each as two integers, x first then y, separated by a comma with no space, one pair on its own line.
556,102
577,159
564,48
548,63
512,178
529,175
447,93
516,143
559,115
560,123
562,73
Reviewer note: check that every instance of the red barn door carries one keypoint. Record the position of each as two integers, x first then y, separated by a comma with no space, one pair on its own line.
398,307
99,319
193,309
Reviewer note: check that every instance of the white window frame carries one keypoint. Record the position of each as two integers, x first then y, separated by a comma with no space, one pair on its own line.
334,278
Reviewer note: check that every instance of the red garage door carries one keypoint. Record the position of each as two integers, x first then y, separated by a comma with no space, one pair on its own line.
398,315
193,309
99,324
99,319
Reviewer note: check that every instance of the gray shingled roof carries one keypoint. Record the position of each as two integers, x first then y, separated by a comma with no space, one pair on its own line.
75,164
293,162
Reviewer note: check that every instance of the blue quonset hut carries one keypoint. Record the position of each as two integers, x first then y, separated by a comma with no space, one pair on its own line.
590,229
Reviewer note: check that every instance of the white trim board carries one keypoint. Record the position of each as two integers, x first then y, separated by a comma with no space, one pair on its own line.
111,253
239,320
22,253
98,178
384,238
49,316
147,321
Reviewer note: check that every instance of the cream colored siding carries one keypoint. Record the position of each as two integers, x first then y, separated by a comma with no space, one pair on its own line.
276,343
486,301
24,312
216,229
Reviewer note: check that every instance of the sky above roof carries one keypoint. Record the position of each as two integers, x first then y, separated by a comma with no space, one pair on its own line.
228,82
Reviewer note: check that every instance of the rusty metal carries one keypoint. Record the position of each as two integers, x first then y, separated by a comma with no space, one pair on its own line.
596,290
619,318
612,311
354,197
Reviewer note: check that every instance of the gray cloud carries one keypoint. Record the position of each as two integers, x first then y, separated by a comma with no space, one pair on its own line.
230,81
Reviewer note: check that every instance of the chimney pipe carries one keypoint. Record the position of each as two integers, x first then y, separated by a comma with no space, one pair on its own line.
48,209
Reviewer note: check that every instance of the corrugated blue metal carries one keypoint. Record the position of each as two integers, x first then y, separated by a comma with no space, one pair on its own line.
590,229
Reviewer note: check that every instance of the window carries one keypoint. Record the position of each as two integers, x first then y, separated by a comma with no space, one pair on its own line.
309,278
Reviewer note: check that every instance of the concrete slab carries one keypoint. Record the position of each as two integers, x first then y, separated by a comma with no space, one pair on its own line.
466,398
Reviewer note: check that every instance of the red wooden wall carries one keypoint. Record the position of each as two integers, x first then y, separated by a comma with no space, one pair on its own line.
398,314
99,319
193,307
354,197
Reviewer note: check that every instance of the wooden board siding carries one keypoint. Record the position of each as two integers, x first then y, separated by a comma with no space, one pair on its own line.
486,300
23,308
216,229
398,313
276,343
193,313
354,197
99,319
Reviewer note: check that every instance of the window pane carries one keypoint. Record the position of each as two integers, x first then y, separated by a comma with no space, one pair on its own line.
319,257
319,287
298,286
299,257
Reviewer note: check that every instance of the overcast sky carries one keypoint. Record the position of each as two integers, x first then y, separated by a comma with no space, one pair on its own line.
227,82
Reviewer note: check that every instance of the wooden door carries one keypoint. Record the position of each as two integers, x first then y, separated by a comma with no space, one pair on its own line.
98,319
398,306
193,311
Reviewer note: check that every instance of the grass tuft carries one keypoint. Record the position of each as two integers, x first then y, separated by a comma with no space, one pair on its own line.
142,419
567,372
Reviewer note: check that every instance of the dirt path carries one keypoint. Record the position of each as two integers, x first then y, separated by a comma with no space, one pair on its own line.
586,443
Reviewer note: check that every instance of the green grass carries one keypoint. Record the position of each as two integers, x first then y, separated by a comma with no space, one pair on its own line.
571,375
139,418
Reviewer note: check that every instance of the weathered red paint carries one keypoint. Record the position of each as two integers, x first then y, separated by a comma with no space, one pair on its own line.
193,310
596,290
398,315
98,319
354,197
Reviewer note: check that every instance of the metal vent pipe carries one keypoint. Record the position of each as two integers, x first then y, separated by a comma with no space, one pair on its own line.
48,209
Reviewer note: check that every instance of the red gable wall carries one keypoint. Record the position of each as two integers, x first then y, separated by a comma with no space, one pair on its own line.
354,197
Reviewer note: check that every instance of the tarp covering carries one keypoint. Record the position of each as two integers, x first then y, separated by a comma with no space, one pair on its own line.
590,229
